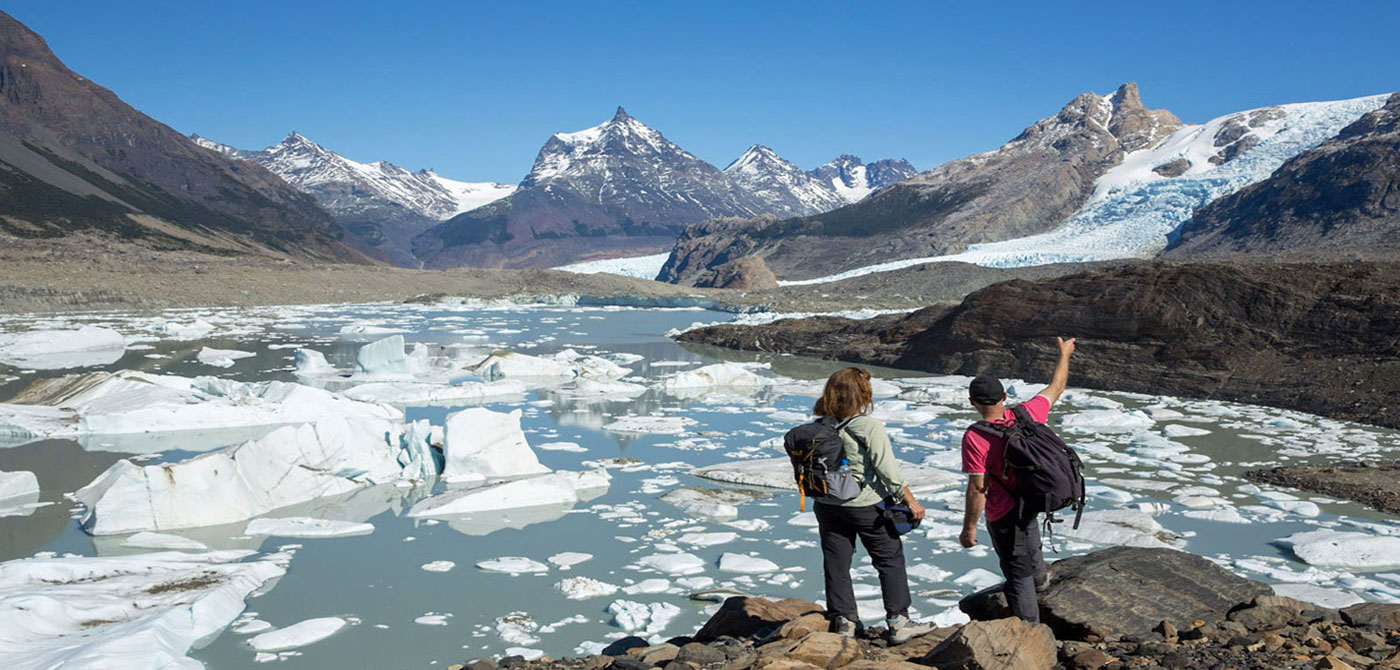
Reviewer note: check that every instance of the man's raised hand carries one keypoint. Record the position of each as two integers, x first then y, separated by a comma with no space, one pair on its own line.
1066,346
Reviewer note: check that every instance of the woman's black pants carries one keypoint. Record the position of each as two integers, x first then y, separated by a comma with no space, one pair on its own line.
839,528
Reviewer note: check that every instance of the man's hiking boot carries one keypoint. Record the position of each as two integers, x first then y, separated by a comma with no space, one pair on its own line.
902,629
1042,580
845,627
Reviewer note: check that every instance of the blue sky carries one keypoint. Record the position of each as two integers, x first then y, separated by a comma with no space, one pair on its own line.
474,89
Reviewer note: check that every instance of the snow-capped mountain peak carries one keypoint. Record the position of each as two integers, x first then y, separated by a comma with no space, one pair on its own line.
782,186
595,151
347,187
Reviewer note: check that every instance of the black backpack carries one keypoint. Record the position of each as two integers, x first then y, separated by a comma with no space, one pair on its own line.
816,451
1048,477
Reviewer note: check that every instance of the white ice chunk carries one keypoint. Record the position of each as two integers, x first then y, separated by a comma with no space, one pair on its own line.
1318,595
583,588
438,566
298,634
718,378
660,425
752,565
1178,430
140,611
514,565
290,465
556,488
656,585
509,364
1344,549
482,444
680,563
221,358
648,619
300,526
148,540
425,394
18,484
777,473
928,572
57,349
707,539
385,359
1121,527
568,559
193,330
312,363
1107,421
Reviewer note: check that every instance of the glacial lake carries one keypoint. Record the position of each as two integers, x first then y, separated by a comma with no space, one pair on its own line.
1163,472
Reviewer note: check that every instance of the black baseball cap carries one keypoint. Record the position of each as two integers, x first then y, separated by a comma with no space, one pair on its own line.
986,390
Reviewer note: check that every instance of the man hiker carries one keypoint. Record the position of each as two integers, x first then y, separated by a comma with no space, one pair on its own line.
1015,533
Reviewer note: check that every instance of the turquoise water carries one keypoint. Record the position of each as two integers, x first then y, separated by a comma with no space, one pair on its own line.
378,579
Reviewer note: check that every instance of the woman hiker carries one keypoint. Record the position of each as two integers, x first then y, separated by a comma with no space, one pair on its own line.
846,403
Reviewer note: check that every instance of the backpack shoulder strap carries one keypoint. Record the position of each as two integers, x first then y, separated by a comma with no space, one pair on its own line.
845,427
1023,415
990,428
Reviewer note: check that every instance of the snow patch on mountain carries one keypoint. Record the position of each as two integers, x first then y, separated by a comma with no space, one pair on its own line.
1137,205
783,187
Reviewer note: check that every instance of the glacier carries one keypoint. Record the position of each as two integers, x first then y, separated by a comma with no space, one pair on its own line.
1134,211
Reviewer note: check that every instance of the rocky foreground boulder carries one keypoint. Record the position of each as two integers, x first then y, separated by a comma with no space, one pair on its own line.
1114,609
1320,338
1127,591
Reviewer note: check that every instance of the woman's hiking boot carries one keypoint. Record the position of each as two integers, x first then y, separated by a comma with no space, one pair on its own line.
845,627
902,629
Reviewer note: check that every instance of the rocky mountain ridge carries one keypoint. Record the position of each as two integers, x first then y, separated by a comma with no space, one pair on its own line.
789,191
622,188
1027,186
382,204
79,161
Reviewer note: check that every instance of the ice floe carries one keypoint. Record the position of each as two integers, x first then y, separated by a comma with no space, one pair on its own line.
1121,527
221,358
514,565
660,425
149,540
644,618
17,484
679,563
424,394
717,378
438,566
1344,549
297,635
568,559
140,611
777,473
751,565
145,406
582,588
59,349
1107,421
555,488
290,465
482,444
300,526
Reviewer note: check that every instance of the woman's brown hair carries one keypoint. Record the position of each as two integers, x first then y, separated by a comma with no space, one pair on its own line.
847,394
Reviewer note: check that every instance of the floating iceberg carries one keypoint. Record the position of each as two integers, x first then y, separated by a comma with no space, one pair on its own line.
555,488
193,330
142,611
718,378
18,484
710,504
1343,549
221,358
385,359
297,635
776,473
482,444
422,394
1121,527
1107,421
312,363
583,588
751,565
146,405
290,465
58,349
644,618
659,425
508,364
300,526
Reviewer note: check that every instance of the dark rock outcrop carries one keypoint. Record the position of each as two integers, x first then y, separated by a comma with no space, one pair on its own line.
74,158
1028,186
1342,194
1372,484
1321,338
749,273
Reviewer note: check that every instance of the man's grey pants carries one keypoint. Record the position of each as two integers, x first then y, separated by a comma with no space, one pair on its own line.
1017,543
839,527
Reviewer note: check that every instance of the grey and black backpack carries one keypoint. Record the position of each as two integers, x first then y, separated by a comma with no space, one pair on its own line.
818,453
